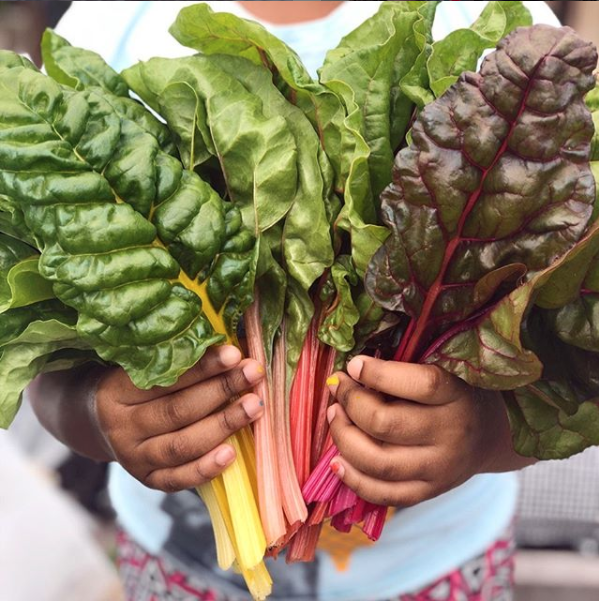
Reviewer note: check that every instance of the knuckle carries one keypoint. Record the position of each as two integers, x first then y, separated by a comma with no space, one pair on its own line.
201,473
175,450
226,422
347,393
162,481
381,424
433,379
359,488
230,384
386,469
170,412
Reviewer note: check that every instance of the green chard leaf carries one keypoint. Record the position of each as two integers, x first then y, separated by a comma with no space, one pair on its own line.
307,246
556,416
99,192
198,27
12,223
30,338
341,316
83,69
79,68
497,178
542,429
364,70
442,62
257,155
271,159
20,281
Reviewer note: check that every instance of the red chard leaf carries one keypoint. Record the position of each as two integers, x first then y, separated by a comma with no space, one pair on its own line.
497,175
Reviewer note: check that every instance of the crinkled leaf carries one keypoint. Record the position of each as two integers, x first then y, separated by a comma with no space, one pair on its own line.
488,350
79,68
198,27
20,281
337,329
82,69
555,416
542,429
213,33
10,60
490,180
415,83
257,155
461,49
12,223
307,248
364,69
271,150
29,337
441,63
562,362
86,179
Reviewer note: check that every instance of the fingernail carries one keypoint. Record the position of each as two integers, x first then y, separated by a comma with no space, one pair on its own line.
229,356
332,383
354,368
253,406
337,469
224,456
331,413
253,372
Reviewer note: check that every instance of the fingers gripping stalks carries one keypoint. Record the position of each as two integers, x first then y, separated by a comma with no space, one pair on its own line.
174,438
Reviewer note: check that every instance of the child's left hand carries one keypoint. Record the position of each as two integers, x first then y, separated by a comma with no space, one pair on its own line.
407,433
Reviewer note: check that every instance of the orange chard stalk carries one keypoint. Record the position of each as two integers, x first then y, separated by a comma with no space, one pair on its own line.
267,458
293,501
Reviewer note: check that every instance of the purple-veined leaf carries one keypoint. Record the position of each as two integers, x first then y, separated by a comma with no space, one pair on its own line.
497,174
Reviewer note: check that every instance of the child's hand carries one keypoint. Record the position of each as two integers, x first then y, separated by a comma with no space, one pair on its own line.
171,438
408,432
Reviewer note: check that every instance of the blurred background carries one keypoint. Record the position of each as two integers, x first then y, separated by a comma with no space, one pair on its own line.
558,522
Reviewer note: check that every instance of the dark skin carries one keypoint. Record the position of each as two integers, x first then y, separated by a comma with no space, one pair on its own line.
406,432
168,438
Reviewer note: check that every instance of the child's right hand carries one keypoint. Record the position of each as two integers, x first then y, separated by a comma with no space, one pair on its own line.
172,438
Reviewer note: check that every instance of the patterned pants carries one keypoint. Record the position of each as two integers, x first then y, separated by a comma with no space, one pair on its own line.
488,577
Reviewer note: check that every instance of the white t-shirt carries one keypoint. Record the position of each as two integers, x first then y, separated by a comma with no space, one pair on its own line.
419,544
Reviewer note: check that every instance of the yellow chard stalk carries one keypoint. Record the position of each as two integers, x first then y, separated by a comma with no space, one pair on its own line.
231,498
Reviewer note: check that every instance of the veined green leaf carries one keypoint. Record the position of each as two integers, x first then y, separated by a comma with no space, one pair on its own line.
82,69
12,223
29,337
86,179
307,248
542,429
198,27
337,329
364,71
10,60
460,51
257,155
20,281
79,68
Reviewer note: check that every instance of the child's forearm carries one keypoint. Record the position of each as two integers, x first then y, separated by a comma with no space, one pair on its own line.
64,404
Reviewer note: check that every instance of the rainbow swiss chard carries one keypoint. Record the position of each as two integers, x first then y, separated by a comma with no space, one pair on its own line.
493,192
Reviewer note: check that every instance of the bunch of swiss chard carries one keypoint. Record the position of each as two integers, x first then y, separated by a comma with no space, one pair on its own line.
401,205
